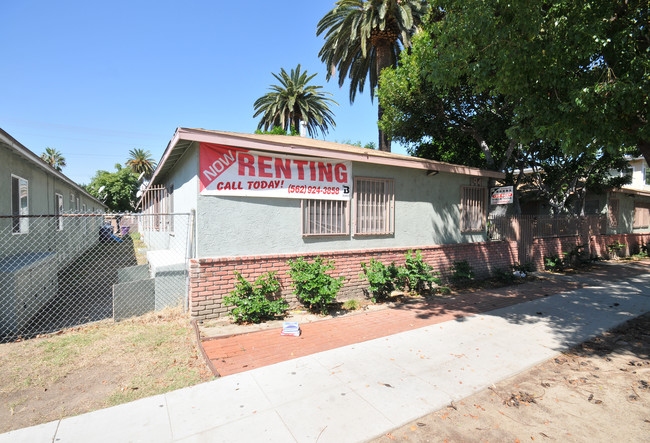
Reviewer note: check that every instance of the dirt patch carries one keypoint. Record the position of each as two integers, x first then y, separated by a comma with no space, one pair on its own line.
95,366
598,391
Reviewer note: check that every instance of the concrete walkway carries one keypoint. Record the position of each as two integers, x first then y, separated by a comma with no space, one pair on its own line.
363,390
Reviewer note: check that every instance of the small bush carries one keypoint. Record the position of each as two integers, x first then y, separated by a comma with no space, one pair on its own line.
615,249
416,275
461,272
526,268
381,279
312,285
575,256
553,263
351,305
257,301
504,276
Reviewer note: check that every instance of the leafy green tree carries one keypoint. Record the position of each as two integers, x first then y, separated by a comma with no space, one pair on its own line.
563,180
141,161
116,189
364,37
54,158
575,73
293,101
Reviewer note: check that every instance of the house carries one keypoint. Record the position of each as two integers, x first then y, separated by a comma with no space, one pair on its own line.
36,237
260,200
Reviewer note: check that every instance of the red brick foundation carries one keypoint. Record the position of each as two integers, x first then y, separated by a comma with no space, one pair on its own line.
211,279
597,245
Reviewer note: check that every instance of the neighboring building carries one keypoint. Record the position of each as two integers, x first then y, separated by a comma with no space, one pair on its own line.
32,246
260,200
627,209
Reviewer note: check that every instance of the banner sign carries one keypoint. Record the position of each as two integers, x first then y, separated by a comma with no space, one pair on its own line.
501,196
225,170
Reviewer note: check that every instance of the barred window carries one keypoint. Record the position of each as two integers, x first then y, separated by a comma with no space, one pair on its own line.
19,204
613,212
325,217
472,209
374,206
641,215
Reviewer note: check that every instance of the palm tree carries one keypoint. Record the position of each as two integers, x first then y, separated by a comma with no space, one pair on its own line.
293,101
141,161
364,37
54,158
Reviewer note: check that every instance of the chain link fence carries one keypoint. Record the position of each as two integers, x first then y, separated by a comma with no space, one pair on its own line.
65,270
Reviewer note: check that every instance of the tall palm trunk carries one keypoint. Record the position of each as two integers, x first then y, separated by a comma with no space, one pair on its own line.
384,60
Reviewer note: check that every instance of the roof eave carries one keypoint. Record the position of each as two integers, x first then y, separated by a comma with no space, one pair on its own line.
36,160
375,157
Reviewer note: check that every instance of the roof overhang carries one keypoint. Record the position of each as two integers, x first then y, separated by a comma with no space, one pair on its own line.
21,150
632,191
183,138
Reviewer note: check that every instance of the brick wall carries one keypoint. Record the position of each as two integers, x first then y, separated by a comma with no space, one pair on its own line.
211,279
597,245
632,242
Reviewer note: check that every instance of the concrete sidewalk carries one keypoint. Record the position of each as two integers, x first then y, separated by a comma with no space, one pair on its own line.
363,390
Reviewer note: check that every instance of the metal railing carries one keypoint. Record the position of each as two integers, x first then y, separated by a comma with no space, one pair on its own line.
544,226
65,270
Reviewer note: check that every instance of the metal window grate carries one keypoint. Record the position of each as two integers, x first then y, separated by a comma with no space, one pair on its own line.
325,217
156,202
472,209
374,206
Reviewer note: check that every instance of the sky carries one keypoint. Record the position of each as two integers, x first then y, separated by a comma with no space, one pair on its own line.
97,79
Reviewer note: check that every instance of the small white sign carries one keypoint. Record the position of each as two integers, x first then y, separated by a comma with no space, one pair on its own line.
501,196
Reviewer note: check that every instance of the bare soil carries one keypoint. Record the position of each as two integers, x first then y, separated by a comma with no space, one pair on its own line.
598,391
95,366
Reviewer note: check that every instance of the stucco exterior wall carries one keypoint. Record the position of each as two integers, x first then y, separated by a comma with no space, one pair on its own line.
43,234
427,212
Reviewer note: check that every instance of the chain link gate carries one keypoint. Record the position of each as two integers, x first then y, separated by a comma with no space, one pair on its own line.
65,270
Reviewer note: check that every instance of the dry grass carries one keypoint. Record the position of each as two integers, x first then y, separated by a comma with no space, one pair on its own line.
97,365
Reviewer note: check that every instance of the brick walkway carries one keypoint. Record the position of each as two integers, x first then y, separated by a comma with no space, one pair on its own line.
239,353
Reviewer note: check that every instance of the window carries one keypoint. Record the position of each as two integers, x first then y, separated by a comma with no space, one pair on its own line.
374,202
78,207
19,204
613,212
58,210
641,215
325,217
472,209
646,175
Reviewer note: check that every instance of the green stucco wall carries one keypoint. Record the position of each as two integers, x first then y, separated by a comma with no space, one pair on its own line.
427,212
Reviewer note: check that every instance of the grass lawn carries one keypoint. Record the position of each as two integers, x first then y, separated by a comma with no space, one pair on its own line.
96,366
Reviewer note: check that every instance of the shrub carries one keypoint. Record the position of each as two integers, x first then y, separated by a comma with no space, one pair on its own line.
526,268
312,285
575,256
553,263
615,248
504,275
351,305
461,272
416,275
257,301
381,279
